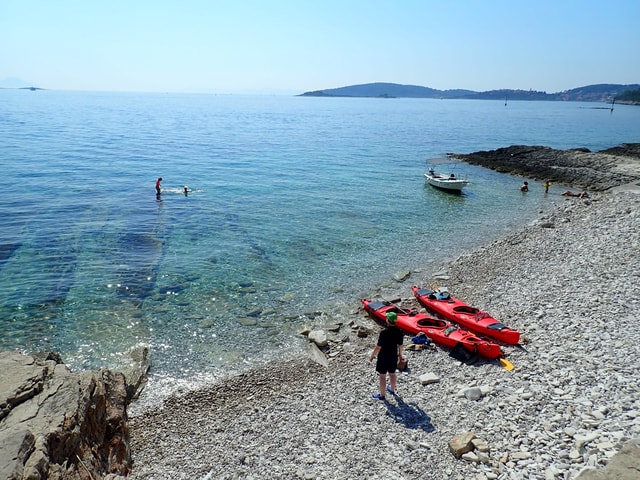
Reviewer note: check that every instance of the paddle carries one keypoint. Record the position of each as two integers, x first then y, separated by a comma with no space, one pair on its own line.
506,363
404,311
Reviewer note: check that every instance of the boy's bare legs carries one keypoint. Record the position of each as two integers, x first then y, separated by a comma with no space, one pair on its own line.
383,383
393,380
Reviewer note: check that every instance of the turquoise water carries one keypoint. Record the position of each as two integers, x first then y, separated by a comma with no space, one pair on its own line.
298,205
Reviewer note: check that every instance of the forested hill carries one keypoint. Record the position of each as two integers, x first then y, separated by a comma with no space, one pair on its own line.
589,93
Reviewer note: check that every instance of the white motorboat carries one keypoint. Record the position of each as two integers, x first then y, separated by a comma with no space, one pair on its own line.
445,182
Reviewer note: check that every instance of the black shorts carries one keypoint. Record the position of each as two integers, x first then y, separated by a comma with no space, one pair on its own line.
384,366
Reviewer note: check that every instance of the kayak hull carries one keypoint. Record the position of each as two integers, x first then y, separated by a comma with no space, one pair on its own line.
474,319
440,331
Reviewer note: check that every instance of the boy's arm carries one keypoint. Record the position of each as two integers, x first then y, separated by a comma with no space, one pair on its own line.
374,353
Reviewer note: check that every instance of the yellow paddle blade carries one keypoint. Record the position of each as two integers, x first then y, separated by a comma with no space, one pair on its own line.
506,364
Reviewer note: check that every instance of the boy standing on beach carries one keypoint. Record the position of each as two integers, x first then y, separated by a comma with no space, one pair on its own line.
388,351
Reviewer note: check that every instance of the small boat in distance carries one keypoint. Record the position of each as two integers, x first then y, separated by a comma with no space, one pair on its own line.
444,181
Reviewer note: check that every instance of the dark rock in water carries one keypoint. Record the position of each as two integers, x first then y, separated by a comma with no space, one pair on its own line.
140,255
254,312
595,171
64,425
6,250
248,321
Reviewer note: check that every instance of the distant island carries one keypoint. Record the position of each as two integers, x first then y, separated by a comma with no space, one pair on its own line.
33,89
629,94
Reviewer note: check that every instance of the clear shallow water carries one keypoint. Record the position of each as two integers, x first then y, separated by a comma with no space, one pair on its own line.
299,204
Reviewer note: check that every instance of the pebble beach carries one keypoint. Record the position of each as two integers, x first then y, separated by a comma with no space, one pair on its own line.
570,282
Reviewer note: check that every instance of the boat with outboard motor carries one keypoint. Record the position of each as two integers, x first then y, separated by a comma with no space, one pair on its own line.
444,181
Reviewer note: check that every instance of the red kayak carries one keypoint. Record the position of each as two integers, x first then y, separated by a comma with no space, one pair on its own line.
440,331
469,317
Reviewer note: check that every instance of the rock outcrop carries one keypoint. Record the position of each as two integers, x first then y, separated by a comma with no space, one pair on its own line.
596,171
625,465
62,425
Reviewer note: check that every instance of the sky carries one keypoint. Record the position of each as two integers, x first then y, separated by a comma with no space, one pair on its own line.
294,46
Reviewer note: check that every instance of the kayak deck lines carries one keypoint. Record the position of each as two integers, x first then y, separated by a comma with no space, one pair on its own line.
455,310
440,331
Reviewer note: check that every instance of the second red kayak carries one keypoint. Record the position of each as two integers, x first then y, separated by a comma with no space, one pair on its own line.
469,317
440,331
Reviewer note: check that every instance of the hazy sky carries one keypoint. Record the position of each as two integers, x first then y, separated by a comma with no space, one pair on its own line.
295,46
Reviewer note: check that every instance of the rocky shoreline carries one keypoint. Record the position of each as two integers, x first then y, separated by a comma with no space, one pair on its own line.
62,425
595,171
569,282
569,409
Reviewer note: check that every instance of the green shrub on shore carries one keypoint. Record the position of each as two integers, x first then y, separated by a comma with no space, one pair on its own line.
630,96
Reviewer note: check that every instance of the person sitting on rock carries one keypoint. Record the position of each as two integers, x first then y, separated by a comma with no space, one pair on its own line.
569,193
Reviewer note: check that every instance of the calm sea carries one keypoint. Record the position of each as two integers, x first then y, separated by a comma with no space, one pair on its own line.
296,205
